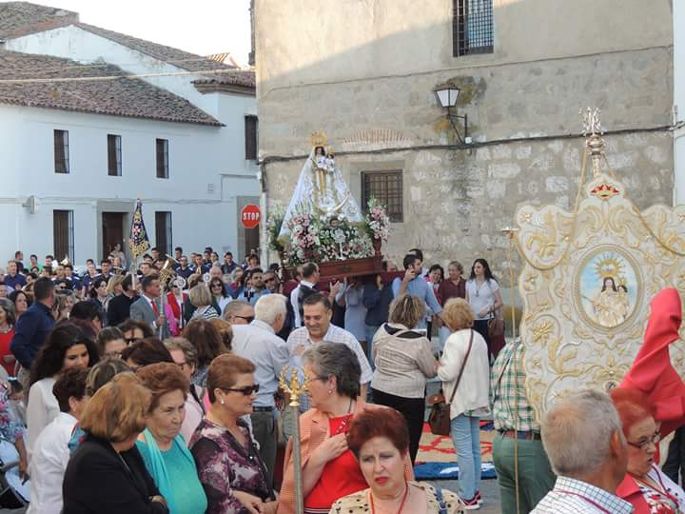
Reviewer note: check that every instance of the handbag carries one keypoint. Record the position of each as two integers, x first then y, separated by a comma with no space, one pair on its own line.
439,417
495,327
496,323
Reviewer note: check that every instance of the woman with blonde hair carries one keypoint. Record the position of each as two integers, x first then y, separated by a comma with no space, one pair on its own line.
465,373
404,361
106,474
201,299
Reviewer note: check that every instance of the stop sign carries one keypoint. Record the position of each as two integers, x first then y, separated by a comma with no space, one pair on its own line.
250,215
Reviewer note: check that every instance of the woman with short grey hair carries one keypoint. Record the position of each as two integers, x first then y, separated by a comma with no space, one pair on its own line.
332,373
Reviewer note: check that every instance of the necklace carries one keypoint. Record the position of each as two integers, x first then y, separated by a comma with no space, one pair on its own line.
5,327
404,499
346,419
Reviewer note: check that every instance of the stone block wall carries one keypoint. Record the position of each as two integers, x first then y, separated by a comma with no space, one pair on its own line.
456,201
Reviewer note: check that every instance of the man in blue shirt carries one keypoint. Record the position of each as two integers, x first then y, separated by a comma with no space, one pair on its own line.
13,279
34,325
415,285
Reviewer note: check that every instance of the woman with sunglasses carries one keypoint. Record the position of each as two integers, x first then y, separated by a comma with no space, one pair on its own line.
228,462
219,294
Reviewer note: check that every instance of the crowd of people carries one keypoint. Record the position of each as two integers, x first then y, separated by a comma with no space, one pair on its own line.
155,391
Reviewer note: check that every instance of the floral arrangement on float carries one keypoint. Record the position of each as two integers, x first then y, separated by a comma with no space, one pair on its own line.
377,223
328,238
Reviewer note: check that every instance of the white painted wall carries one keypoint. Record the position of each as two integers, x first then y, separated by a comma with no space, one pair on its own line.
208,170
679,99
199,157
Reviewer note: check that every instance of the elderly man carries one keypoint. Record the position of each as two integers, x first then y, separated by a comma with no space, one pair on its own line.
239,312
517,450
259,343
317,313
584,441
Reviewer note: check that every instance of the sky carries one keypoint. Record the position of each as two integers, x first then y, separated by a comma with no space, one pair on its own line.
203,27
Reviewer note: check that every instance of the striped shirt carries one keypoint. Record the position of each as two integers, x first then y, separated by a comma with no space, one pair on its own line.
404,360
577,497
510,407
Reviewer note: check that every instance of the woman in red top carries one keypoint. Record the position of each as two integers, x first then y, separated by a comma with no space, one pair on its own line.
651,403
329,469
7,321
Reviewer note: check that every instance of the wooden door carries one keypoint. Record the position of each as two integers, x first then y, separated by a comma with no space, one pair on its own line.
112,231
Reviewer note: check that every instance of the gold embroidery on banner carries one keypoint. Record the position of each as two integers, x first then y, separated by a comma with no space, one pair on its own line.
587,279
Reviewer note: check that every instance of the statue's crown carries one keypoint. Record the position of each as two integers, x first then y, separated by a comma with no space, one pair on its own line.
318,139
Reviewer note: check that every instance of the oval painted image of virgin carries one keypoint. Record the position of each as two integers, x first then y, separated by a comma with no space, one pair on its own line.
608,288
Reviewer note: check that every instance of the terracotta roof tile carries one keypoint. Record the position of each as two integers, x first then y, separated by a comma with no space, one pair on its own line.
121,96
180,58
21,18
245,78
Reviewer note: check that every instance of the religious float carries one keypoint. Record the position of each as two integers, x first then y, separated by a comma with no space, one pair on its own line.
588,278
324,224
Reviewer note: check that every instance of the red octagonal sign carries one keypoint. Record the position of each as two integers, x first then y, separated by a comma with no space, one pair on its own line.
250,215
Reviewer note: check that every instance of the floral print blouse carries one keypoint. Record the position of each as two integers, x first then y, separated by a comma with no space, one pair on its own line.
224,465
11,427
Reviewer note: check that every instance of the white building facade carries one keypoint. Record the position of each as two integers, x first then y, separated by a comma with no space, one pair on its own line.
193,165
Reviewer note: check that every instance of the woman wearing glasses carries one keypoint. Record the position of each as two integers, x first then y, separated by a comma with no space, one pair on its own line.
229,465
646,487
329,468
649,402
219,294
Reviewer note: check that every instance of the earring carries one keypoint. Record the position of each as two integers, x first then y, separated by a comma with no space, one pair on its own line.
222,401
330,391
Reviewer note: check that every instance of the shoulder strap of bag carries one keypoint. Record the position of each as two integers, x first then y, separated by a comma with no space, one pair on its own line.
441,500
463,365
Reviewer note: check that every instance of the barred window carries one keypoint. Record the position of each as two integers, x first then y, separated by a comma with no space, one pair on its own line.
386,187
61,144
472,27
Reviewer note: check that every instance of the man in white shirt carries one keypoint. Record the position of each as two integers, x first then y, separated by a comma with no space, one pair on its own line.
584,441
50,451
259,343
318,328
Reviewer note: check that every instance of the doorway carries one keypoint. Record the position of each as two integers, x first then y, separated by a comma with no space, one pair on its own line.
112,231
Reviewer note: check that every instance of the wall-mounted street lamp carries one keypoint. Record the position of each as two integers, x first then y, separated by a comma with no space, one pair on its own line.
447,96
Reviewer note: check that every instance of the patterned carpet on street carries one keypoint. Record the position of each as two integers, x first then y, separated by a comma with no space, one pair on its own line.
437,459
